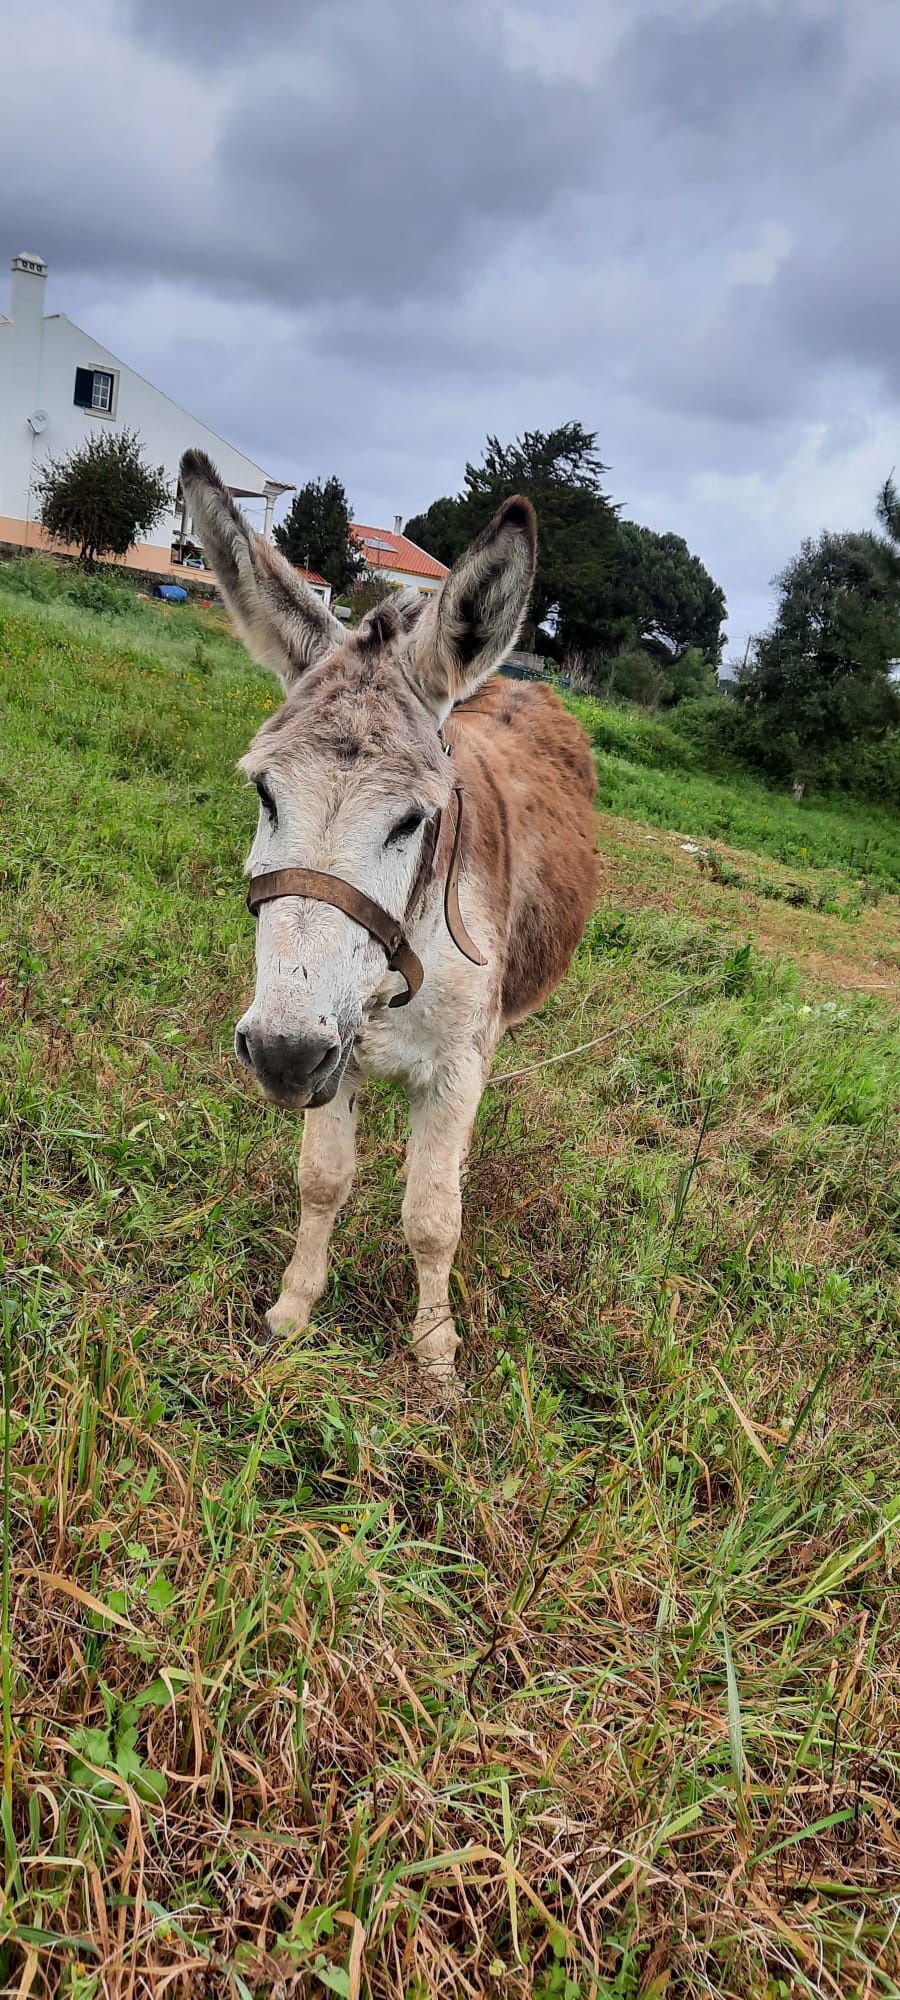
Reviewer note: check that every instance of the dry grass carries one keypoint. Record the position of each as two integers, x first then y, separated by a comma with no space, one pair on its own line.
589,1691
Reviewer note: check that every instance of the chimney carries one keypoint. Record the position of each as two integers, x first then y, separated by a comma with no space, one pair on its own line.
26,299
398,524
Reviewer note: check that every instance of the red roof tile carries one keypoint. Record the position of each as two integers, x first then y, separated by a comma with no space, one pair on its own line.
385,550
311,575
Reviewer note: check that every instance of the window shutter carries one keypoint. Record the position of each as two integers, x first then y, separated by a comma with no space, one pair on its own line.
84,387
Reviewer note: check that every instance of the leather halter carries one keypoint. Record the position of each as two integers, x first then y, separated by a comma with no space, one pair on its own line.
388,931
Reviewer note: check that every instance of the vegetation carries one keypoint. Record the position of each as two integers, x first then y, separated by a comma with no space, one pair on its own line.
822,674
561,472
660,680
315,534
372,588
589,1692
103,496
633,615
651,770
664,598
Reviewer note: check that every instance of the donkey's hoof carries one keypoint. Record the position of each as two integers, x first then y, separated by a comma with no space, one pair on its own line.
287,1315
440,1385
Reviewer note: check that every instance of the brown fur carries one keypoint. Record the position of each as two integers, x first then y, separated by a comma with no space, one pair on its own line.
528,774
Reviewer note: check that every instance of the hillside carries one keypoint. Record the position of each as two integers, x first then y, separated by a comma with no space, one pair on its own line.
587,1692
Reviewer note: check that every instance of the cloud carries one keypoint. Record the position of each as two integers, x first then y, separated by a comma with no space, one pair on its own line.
356,235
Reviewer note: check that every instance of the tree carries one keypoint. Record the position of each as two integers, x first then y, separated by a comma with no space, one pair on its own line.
561,472
439,531
887,509
822,674
685,677
315,534
664,595
633,676
103,496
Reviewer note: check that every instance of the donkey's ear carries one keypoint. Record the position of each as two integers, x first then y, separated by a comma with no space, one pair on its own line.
477,615
283,624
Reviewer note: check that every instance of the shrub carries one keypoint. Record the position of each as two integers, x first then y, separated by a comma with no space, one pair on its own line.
634,677
31,576
719,730
103,496
688,677
99,592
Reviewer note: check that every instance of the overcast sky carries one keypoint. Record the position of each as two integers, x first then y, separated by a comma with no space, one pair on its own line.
356,235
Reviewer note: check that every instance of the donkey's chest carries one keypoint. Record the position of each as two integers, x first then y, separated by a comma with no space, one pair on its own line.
391,1053
409,1044
394,1049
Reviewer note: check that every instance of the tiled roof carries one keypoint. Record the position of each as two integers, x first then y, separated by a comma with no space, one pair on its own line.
385,550
311,575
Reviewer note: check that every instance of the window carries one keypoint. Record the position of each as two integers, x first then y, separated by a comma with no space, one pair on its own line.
95,390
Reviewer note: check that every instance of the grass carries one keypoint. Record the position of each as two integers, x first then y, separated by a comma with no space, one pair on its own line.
589,1692
650,773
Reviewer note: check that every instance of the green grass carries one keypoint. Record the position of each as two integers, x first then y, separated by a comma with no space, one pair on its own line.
650,773
587,1692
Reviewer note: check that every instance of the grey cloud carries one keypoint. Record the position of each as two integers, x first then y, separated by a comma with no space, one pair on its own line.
210,33
395,174
732,64
390,227
344,162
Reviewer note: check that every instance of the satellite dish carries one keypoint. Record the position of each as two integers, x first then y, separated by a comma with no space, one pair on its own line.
37,421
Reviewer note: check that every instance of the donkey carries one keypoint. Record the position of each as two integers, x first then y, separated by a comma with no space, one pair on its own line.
423,838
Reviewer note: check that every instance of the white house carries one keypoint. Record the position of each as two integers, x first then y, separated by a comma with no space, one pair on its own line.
317,584
58,384
401,560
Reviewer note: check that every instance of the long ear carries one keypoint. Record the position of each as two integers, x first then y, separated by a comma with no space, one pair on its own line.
478,613
283,624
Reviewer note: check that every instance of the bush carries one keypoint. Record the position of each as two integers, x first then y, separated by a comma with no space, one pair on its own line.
48,582
868,770
728,735
30,576
103,496
689,677
720,730
99,592
633,735
634,677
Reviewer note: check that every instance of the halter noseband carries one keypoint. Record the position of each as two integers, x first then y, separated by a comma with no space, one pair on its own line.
388,931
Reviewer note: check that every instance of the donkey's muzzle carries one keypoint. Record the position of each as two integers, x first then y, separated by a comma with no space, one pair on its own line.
295,1070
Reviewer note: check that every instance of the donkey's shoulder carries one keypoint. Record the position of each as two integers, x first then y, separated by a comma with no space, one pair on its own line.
528,719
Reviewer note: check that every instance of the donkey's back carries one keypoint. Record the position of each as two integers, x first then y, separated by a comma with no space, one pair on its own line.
528,766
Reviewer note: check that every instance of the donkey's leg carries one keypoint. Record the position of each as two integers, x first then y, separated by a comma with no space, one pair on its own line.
327,1167
441,1122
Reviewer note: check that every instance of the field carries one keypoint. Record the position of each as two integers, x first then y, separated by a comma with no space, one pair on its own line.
589,1691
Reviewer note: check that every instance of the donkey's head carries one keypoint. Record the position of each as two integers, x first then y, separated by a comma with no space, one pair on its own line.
350,768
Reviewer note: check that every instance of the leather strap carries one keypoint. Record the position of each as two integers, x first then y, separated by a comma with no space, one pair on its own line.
452,911
389,932
317,888
426,863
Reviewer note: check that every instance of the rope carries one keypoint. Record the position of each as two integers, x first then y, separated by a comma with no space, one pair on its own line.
513,1075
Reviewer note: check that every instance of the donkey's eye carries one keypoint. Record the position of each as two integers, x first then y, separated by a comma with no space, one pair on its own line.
405,827
267,802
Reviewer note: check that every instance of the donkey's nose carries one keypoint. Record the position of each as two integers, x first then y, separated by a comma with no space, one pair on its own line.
289,1066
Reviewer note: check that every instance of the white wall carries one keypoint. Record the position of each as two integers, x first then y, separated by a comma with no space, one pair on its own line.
20,374
425,585
38,359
